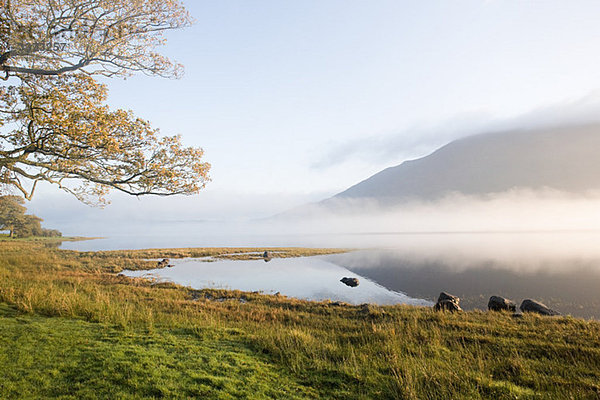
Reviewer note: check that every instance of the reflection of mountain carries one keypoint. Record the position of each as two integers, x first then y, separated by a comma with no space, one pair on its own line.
572,290
560,158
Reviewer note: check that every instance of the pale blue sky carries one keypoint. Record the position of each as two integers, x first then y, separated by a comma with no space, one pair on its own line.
297,100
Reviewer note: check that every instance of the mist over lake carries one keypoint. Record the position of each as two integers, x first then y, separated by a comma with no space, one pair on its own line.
561,269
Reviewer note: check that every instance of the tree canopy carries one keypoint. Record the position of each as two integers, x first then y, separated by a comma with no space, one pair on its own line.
14,220
55,125
102,37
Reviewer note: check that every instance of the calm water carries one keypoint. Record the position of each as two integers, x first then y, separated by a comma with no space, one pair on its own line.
311,278
559,269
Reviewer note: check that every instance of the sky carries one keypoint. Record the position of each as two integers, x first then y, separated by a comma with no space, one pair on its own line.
296,101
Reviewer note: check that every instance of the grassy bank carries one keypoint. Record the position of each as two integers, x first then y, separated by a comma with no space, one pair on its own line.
71,327
45,239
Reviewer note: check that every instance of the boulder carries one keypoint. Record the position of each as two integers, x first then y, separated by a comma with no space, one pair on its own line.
529,305
267,256
446,305
352,282
163,263
447,302
499,303
447,296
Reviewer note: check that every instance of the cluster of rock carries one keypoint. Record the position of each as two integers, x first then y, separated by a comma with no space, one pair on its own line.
163,263
449,302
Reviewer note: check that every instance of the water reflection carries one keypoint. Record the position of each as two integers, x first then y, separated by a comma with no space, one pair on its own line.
561,270
311,278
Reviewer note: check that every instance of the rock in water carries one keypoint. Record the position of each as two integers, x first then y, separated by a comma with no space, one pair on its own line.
529,305
352,282
447,302
499,303
163,263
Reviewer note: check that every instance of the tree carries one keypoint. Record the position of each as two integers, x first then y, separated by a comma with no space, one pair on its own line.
14,219
28,225
11,211
55,125
100,37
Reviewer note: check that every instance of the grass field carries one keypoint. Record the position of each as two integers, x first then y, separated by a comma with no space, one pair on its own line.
70,327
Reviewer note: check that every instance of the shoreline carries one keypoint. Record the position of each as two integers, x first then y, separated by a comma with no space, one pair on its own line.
144,256
50,239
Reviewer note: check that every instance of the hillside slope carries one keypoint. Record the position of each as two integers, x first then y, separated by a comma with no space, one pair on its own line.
563,158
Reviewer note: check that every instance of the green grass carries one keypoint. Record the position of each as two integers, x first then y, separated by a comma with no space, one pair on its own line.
71,328
72,358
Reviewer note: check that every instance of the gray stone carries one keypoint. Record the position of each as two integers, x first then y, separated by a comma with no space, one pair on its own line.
267,256
447,302
163,263
529,305
499,303
352,282
447,296
447,305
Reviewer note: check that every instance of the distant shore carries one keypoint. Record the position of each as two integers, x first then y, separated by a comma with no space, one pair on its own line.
53,239
139,259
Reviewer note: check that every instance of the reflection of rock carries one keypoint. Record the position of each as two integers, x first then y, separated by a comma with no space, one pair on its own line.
447,302
267,256
529,305
352,282
498,303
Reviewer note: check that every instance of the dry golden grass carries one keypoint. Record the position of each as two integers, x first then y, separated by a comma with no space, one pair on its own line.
321,349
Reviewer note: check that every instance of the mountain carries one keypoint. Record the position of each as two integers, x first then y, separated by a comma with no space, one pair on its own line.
563,158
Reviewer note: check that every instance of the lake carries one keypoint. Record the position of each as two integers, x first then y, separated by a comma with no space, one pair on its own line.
561,269
310,278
